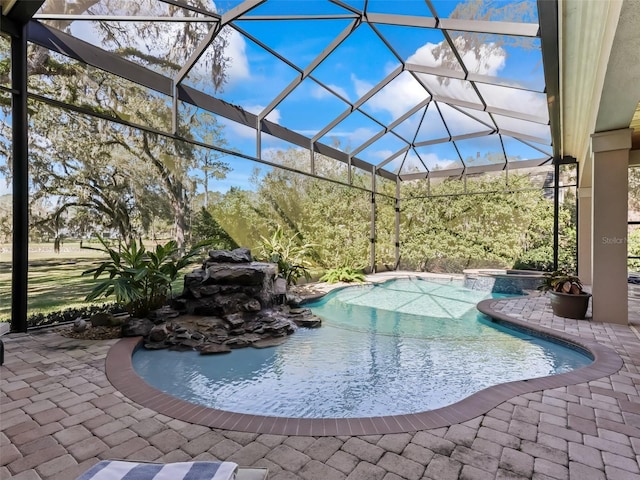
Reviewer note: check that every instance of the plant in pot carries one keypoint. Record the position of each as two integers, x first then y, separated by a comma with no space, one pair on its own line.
568,299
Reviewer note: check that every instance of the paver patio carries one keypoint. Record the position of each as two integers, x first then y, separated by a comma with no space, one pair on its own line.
60,415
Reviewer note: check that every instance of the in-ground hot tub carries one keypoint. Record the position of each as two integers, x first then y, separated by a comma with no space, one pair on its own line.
502,281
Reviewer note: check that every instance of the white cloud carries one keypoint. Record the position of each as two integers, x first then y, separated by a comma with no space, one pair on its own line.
424,56
319,93
243,131
405,94
488,60
459,123
274,115
430,159
306,133
381,154
238,129
357,134
361,86
412,163
433,162
238,67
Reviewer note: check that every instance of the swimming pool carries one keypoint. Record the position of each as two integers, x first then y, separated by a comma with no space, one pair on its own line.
376,354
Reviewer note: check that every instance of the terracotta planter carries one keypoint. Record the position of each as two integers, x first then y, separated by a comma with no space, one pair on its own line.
570,306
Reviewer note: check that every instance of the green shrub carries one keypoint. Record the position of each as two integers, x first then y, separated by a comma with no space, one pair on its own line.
290,255
343,274
140,279
540,259
70,314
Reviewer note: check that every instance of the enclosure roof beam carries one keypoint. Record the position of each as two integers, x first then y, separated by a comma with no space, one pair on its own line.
539,162
454,138
523,136
401,20
518,29
241,9
122,18
346,16
60,42
192,8
392,157
548,14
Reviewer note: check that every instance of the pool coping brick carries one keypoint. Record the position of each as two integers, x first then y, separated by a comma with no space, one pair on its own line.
74,399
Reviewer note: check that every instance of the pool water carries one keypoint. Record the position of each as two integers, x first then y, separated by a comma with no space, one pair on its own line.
405,346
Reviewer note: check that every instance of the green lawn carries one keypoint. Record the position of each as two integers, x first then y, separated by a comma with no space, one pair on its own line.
55,281
54,278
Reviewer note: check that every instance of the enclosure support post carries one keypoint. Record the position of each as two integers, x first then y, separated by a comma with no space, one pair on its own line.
556,211
174,108
609,197
397,262
577,255
372,237
312,159
20,151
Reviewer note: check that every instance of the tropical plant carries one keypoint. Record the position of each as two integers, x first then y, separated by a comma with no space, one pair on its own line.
343,274
291,256
139,278
561,281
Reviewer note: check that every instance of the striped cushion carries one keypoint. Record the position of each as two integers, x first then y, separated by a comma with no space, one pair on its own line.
119,470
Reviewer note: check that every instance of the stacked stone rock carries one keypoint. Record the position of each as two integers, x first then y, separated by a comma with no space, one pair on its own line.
228,303
229,282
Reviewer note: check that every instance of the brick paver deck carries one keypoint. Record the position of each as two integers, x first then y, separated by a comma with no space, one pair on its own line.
60,415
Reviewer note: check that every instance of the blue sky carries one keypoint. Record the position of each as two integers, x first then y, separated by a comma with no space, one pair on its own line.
255,77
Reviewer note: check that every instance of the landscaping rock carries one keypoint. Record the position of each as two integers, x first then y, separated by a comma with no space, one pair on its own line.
234,320
162,314
158,334
303,317
237,274
100,319
137,327
119,319
269,342
79,325
239,255
155,346
214,349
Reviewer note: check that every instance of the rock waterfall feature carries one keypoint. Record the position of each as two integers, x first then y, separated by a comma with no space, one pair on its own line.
230,302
